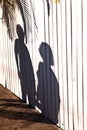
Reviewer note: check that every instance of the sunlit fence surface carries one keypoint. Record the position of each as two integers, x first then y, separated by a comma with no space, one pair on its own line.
50,71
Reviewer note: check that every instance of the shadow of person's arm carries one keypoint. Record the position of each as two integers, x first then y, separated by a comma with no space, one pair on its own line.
16,57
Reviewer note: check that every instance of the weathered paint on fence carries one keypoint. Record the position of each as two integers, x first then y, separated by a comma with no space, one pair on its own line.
57,59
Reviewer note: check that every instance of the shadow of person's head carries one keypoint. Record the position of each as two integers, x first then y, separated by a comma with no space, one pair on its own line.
45,50
20,32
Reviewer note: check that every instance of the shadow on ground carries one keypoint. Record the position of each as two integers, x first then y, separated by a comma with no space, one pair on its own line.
17,115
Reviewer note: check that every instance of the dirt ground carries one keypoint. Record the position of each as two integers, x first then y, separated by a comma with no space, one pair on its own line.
16,115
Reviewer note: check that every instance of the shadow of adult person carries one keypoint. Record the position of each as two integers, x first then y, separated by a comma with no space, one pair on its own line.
25,68
48,98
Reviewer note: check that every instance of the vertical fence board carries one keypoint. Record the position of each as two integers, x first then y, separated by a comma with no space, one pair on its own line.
60,75
74,64
79,52
85,61
69,63
64,64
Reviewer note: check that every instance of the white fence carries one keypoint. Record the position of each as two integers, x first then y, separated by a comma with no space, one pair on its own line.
52,67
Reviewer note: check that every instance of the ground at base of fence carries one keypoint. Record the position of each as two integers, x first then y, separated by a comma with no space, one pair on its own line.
16,115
